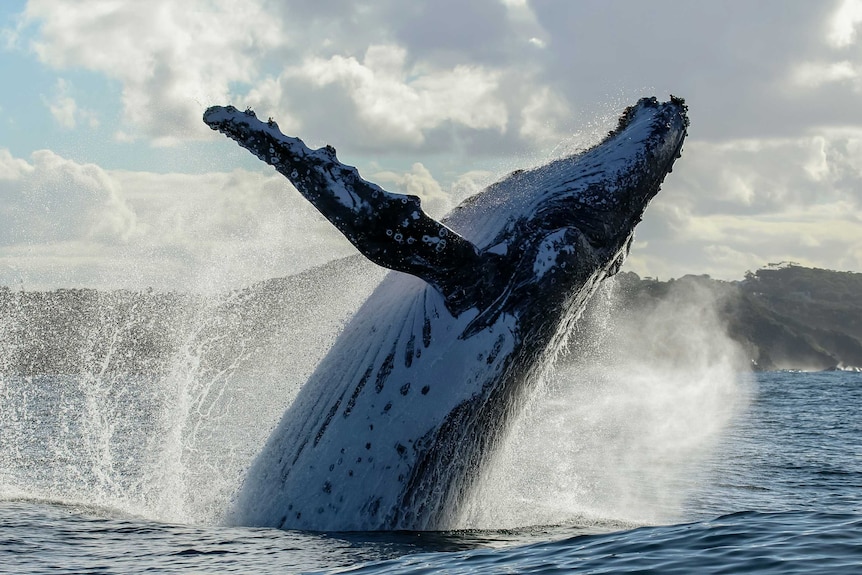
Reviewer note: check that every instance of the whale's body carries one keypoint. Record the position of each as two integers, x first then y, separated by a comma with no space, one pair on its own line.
391,430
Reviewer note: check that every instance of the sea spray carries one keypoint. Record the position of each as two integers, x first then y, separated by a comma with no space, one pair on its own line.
153,404
171,398
616,434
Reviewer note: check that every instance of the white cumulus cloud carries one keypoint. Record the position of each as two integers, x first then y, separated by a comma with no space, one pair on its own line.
65,109
459,92
52,199
73,224
844,22
170,57
398,104
418,182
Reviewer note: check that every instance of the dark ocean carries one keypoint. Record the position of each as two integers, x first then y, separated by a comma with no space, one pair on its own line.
777,490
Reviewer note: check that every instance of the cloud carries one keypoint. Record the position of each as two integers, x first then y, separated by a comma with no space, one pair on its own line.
816,75
735,62
12,168
403,109
483,65
739,205
844,22
830,72
458,93
724,246
225,230
67,223
171,58
71,224
398,105
63,107
761,176
418,182
387,74
65,110
52,199
826,79
450,29
539,117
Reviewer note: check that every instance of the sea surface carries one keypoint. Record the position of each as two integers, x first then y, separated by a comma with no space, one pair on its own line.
778,490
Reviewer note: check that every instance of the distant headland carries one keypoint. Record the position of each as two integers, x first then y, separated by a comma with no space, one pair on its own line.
783,316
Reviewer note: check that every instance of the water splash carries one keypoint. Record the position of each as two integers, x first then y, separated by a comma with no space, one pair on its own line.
154,404
91,415
617,432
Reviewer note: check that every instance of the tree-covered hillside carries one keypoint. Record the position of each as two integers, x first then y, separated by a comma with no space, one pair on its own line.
782,317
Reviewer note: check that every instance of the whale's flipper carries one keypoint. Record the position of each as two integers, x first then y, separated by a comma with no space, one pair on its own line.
389,229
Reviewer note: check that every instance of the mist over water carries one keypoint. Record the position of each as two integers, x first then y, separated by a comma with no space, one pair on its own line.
615,434
155,406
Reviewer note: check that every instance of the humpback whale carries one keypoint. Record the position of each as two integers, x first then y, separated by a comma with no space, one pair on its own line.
392,428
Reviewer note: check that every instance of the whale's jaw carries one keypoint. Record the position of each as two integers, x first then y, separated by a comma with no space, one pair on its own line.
392,429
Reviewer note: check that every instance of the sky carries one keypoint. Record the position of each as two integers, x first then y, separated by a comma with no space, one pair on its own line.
109,178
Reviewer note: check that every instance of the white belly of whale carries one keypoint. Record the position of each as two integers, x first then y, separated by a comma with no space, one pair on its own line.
360,420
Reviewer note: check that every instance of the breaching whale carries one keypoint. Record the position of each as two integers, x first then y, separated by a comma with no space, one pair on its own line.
391,430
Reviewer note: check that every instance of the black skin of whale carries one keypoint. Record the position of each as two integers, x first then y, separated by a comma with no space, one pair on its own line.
580,210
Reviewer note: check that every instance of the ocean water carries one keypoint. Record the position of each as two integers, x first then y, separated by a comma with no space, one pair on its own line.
101,476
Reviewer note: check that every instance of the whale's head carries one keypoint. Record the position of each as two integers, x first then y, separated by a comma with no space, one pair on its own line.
565,225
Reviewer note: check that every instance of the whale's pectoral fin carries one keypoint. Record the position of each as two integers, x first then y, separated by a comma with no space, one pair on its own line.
389,229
